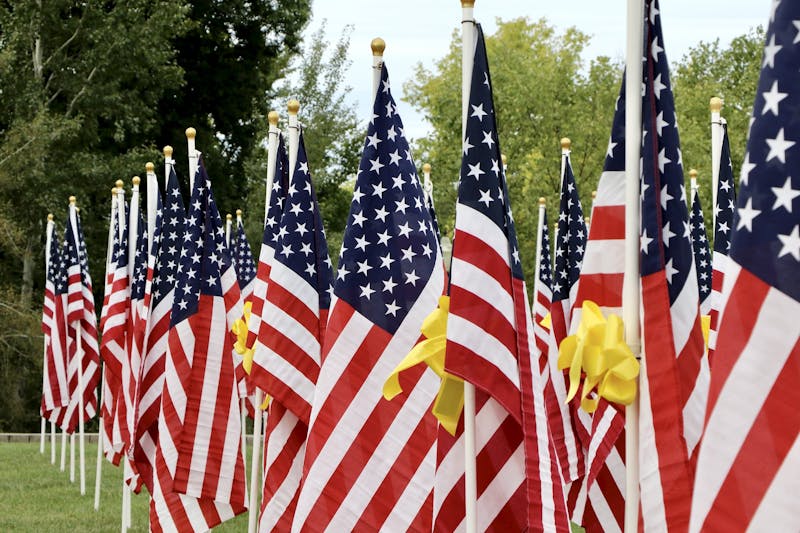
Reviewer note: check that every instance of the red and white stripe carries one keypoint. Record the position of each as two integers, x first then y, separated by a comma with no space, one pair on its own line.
370,463
259,294
55,388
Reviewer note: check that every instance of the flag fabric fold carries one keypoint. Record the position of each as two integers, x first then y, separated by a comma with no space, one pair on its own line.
55,391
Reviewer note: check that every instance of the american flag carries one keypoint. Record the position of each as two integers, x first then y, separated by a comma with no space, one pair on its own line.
81,319
162,290
598,501
674,374
203,460
702,256
369,463
287,366
749,458
543,293
270,236
570,246
243,260
490,343
55,389
723,225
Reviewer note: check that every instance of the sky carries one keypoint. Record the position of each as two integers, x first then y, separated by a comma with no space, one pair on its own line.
419,31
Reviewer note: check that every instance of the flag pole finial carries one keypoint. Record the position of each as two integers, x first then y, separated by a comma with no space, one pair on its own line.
273,117
149,167
168,151
467,3
693,173
72,200
228,217
715,104
293,107
426,167
378,45
238,213
566,144
49,217
542,201
594,195
136,181
191,133
119,184
504,159
113,191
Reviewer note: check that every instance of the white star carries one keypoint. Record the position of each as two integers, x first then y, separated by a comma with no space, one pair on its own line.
389,109
363,266
409,254
411,278
784,195
282,232
797,27
655,50
670,271
376,165
610,149
401,206
722,227
663,160
386,86
725,185
778,147
359,218
391,134
310,269
386,260
286,250
381,213
773,9
645,241
770,51
485,198
667,234
389,285
398,182
392,308
394,158
477,111
378,190
366,291
515,255
747,166
303,167
212,282
383,237
487,138
791,243
660,123
295,209
475,170
405,229
657,88
362,242
467,146
772,98
182,304
426,250
357,194
746,216
301,229
342,272
665,197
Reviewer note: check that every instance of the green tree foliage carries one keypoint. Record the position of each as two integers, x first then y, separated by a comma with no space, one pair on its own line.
331,131
543,90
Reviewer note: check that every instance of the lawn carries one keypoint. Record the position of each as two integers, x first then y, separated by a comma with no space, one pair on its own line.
35,496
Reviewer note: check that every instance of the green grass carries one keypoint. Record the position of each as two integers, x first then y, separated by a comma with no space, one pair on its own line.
36,496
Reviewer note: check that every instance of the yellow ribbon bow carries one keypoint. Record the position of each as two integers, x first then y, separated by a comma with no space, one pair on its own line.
431,351
240,330
598,349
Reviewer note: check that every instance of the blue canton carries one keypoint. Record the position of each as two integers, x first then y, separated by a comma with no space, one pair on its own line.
389,247
165,276
570,237
280,184
702,257
726,200
544,254
242,256
57,272
766,227
139,275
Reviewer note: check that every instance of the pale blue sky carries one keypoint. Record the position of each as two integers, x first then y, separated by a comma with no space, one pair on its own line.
419,30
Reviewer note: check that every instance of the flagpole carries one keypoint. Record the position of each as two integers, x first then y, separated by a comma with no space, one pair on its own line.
256,472
191,133
630,285
693,177
152,204
73,213
228,224
168,162
63,465
294,135
539,227
470,470
242,401
378,46
48,242
715,105
566,148
427,184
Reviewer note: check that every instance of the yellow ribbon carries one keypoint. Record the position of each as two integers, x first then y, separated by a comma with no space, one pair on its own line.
240,330
705,323
599,350
431,351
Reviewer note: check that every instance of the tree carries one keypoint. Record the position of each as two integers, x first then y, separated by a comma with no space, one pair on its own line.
543,90
330,128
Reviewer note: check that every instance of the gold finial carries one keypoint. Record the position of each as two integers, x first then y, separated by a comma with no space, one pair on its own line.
228,216
542,200
293,106
136,180
120,184
504,159
238,212
49,217
467,3
594,195
113,191
566,144
149,167
168,151
191,133
77,209
693,174
426,168
715,104
273,117
378,45
72,200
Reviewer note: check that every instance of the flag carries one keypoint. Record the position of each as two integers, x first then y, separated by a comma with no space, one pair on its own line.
569,249
201,479
543,293
81,321
167,241
243,261
723,225
55,389
749,458
674,374
369,463
598,501
490,343
287,366
270,236
702,257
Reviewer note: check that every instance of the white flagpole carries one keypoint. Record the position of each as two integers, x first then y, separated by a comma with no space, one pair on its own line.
52,443
566,148
152,204
63,465
73,214
168,162
228,224
539,227
48,241
72,456
715,105
256,472
294,135
470,470
427,184
693,176
191,133
378,46
630,284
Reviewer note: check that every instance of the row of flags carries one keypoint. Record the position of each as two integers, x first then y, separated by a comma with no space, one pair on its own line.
320,344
